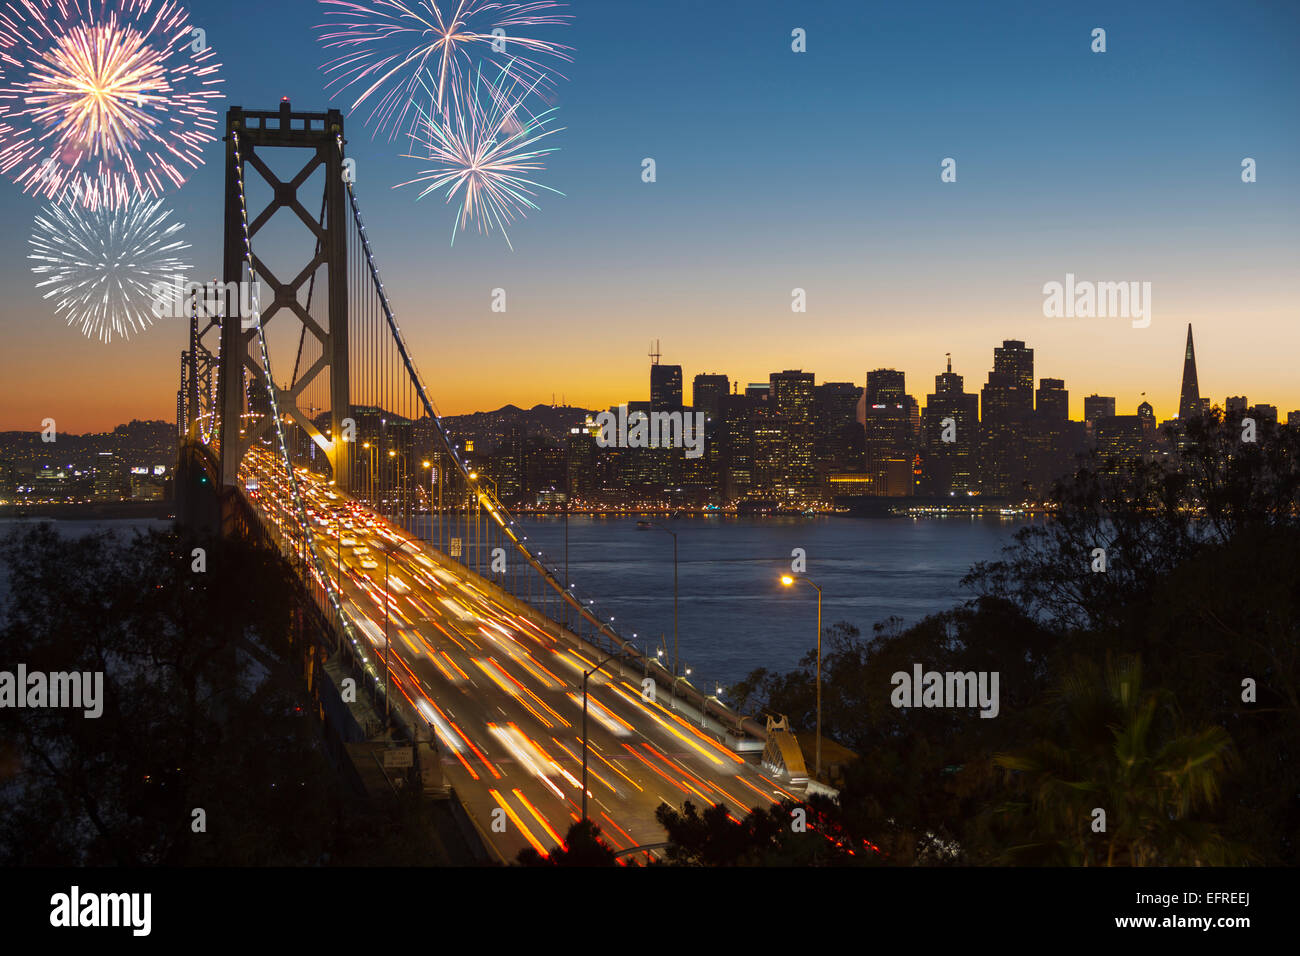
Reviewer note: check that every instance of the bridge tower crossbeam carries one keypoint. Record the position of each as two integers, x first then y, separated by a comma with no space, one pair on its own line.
260,131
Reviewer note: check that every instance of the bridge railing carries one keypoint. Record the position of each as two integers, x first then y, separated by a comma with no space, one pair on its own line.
554,594
291,547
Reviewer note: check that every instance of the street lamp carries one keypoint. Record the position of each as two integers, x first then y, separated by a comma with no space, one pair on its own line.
788,581
585,675
486,528
399,459
433,474
372,463
643,525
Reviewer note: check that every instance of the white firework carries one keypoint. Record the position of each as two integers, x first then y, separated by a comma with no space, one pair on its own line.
105,269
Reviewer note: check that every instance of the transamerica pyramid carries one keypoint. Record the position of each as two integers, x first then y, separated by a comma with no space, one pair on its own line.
1189,402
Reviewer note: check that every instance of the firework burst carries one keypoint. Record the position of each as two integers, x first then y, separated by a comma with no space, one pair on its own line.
110,97
104,267
484,152
391,50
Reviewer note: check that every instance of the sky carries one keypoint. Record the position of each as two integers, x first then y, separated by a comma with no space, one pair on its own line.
779,170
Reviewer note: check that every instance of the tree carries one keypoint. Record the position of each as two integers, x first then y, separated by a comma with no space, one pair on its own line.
203,708
582,847
1111,747
784,834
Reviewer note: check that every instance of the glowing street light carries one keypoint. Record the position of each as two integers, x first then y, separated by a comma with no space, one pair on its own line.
788,581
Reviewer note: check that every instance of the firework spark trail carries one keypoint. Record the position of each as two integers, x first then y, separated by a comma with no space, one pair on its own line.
390,47
483,152
104,266
106,95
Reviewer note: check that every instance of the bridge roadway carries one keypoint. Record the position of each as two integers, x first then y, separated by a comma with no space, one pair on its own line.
505,697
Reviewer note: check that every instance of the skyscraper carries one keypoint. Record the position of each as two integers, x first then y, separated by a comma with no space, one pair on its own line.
1017,362
1189,399
665,387
707,393
665,384
1098,406
838,436
1007,404
737,414
888,433
950,466
1052,400
792,394
1053,451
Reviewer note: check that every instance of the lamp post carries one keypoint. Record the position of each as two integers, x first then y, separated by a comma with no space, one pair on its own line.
399,458
386,642
788,581
433,473
568,489
338,554
372,463
685,674
716,695
659,527
474,476
585,675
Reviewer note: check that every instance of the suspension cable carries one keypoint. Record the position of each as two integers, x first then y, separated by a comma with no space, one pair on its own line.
494,506
331,587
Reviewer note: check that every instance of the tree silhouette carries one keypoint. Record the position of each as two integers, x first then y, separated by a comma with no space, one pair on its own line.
1110,746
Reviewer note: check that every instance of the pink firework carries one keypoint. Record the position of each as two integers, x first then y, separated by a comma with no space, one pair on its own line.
103,100
392,51
484,153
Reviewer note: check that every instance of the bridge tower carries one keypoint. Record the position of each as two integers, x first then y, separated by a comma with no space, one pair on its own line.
259,133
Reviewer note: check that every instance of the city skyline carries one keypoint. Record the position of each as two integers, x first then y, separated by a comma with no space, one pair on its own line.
1164,408
898,267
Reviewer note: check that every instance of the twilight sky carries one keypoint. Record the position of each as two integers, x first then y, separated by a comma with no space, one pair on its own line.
779,170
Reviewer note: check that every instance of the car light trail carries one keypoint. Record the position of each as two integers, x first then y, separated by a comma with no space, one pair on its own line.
525,754
523,828
606,719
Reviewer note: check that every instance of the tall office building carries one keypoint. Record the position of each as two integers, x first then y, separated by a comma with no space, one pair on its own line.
1052,401
950,467
1007,404
1098,406
888,433
108,477
665,384
1264,412
792,411
1053,448
1189,398
1235,407
1124,438
703,475
837,441
707,392
1017,362
736,446
580,468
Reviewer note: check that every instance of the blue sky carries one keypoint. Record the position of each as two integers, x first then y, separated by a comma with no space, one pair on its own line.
817,170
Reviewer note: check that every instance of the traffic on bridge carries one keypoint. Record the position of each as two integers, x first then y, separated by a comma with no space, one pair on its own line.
502,695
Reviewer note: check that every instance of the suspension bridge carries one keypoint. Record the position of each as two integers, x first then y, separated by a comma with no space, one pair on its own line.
424,588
